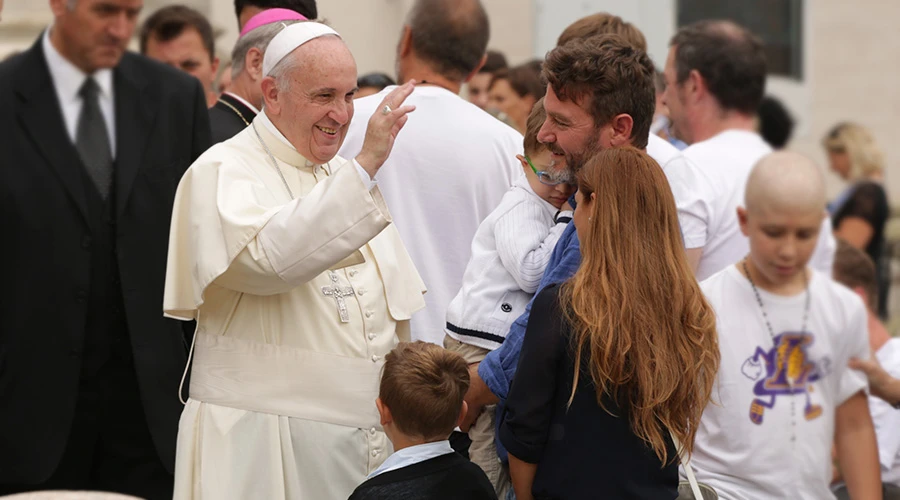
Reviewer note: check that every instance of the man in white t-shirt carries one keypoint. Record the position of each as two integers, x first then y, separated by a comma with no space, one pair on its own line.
715,78
855,270
453,163
784,391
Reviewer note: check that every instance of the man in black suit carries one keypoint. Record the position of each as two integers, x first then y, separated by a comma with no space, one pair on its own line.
89,368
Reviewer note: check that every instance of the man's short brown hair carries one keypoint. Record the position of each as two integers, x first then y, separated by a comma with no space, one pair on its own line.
609,75
730,59
853,268
535,121
423,385
603,23
170,22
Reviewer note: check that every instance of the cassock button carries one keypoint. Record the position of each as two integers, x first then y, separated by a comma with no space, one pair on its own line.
371,335
372,431
374,358
368,314
361,291
374,453
353,273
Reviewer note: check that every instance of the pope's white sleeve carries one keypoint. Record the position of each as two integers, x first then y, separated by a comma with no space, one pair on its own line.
369,182
308,236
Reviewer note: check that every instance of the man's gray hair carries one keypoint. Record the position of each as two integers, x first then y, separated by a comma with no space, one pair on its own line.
258,38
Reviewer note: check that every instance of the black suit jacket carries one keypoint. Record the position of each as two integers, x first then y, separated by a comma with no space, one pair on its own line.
225,122
162,126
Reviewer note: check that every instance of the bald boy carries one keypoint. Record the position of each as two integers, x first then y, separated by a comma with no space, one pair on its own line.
784,206
786,333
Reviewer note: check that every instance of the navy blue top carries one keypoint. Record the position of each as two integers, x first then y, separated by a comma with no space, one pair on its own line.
583,451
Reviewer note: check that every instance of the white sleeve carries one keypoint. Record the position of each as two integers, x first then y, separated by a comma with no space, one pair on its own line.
692,194
887,429
369,182
308,236
525,242
823,256
855,345
887,418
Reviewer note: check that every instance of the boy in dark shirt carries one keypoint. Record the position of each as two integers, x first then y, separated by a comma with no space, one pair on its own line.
421,402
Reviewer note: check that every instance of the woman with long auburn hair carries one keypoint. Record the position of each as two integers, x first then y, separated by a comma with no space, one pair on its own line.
634,321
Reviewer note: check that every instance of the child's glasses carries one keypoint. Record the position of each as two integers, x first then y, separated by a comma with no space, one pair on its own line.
549,178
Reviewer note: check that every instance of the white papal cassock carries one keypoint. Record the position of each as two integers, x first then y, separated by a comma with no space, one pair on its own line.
282,392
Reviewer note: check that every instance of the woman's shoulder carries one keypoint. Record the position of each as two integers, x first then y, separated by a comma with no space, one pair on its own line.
548,296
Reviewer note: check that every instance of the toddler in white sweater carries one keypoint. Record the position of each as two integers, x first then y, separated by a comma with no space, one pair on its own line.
510,251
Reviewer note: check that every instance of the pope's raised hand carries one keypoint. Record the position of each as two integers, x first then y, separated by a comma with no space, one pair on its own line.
384,125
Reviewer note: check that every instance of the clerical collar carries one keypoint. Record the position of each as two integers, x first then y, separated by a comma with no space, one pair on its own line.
242,101
264,118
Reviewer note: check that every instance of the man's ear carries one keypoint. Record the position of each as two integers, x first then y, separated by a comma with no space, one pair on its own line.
462,414
405,42
523,161
384,412
215,66
742,220
253,64
858,290
476,70
270,95
621,127
694,86
59,7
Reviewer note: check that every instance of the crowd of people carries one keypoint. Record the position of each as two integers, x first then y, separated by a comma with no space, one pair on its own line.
586,276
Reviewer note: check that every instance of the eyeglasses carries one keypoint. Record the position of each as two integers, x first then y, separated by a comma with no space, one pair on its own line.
548,178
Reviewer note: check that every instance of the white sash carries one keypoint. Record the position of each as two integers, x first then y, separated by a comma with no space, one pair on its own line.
285,381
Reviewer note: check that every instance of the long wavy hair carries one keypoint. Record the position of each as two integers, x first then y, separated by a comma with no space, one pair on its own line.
640,323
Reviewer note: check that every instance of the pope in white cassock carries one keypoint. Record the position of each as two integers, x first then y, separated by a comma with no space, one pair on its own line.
286,256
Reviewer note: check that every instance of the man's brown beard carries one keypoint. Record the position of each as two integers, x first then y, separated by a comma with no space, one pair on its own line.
575,161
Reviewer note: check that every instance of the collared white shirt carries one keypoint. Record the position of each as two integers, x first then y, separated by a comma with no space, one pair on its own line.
369,182
413,455
68,79
243,101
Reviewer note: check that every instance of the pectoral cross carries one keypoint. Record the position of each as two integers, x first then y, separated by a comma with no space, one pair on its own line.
339,292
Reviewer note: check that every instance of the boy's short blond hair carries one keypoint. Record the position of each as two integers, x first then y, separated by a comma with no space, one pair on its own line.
535,121
423,385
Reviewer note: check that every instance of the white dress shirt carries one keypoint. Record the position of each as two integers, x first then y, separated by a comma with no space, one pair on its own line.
413,455
68,79
369,182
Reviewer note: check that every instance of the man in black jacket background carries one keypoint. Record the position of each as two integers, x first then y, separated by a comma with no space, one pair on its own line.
95,143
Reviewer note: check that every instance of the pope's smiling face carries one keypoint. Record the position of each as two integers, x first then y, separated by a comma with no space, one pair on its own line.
314,108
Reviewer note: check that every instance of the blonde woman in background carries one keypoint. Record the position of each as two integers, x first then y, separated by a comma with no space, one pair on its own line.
860,213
